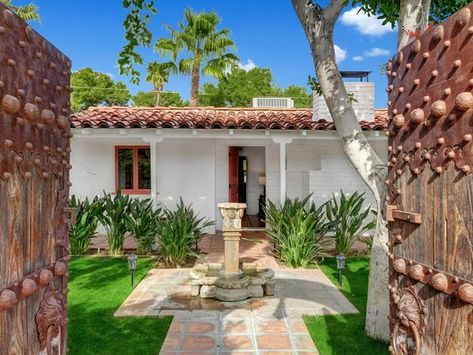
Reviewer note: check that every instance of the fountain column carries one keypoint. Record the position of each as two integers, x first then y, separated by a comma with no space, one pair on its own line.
232,214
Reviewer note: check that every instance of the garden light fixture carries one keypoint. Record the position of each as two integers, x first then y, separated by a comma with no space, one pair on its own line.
340,266
132,261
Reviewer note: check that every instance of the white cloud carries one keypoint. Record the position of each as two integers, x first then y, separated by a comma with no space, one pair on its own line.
367,25
376,52
357,58
111,75
248,66
340,54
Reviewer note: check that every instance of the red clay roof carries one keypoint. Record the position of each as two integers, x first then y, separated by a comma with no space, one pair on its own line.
210,117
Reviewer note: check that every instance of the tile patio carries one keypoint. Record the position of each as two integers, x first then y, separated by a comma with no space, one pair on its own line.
270,325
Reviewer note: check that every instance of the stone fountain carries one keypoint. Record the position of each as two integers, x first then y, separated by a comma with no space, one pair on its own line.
232,280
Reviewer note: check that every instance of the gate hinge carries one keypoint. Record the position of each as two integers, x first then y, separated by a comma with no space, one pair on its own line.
392,213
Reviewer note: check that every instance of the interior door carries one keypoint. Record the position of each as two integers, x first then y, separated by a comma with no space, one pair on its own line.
233,174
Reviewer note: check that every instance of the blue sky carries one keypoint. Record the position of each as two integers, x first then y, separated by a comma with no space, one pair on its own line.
266,32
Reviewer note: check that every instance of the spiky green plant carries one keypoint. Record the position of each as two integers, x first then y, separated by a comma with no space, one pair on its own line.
116,218
143,223
27,12
81,232
178,231
297,229
350,219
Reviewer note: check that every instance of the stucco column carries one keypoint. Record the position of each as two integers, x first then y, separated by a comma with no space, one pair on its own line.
153,146
282,141
232,214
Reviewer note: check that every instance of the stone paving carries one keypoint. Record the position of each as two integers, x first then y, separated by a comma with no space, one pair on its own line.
270,325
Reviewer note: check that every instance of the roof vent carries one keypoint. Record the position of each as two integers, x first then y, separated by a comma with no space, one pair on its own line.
273,102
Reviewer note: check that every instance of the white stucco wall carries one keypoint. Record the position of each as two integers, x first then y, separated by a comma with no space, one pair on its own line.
197,169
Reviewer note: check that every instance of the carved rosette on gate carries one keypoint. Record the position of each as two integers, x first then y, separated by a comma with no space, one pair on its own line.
430,85
34,189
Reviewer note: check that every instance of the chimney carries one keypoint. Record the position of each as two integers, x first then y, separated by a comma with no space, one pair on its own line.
363,92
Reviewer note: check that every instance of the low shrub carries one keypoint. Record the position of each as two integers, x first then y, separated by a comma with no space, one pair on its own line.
115,218
178,232
143,223
81,232
297,229
350,220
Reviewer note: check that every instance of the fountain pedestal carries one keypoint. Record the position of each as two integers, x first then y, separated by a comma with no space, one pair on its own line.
231,281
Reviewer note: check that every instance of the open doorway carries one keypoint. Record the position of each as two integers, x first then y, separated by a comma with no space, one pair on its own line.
247,180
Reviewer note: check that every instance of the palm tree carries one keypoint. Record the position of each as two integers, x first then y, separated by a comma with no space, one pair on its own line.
158,75
197,36
26,13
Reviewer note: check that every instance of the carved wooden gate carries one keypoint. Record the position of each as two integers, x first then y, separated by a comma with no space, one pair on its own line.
34,189
430,191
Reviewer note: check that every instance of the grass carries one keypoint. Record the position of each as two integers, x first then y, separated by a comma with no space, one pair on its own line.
98,285
344,333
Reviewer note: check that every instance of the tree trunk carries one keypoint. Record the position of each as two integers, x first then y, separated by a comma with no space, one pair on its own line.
413,20
318,25
158,94
195,81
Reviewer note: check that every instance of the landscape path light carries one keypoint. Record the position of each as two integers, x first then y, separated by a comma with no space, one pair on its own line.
341,259
132,261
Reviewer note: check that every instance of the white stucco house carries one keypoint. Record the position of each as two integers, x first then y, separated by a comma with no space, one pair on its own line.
209,155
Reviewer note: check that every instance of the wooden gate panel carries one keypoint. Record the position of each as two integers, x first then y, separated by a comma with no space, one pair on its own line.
430,191
34,189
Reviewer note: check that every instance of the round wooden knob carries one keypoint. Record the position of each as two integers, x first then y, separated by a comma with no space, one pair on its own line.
415,46
10,104
62,122
464,101
31,112
60,268
400,266
438,33
417,272
7,299
438,108
28,287
439,282
417,116
398,121
45,277
48,116
465,292
463,17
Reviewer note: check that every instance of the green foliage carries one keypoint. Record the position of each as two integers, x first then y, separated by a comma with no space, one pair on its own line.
388,10
239,87
349,218
158,74
98,286
83,230
92,88
29,12
116,218
204,49
178,232
137,34
148,99
297,229
143,223
345,333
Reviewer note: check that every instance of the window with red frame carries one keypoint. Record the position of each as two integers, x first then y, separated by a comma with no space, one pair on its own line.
133,169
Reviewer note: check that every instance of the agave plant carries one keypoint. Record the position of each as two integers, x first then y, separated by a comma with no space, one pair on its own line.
297,229
116,219
83,230
350,219
178,232
143,223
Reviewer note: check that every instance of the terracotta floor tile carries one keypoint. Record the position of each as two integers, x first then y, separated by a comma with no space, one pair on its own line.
270,326
303,342
237,342
198,343
177,326
273,342
297,326
196,327
236,326
171,343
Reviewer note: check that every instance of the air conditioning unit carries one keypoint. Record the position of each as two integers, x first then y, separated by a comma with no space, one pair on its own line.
273,102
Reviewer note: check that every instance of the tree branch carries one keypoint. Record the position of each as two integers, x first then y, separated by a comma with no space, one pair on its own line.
332,11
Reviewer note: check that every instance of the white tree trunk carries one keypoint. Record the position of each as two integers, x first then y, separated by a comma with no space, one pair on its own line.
413,20
318,25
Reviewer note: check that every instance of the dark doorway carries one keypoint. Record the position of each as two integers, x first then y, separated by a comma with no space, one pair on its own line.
242,178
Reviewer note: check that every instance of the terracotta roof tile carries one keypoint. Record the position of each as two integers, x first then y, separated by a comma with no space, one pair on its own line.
210,117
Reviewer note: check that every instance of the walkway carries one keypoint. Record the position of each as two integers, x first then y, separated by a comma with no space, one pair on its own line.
258,326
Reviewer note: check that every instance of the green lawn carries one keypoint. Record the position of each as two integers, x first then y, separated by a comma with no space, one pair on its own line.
98,285
344,334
